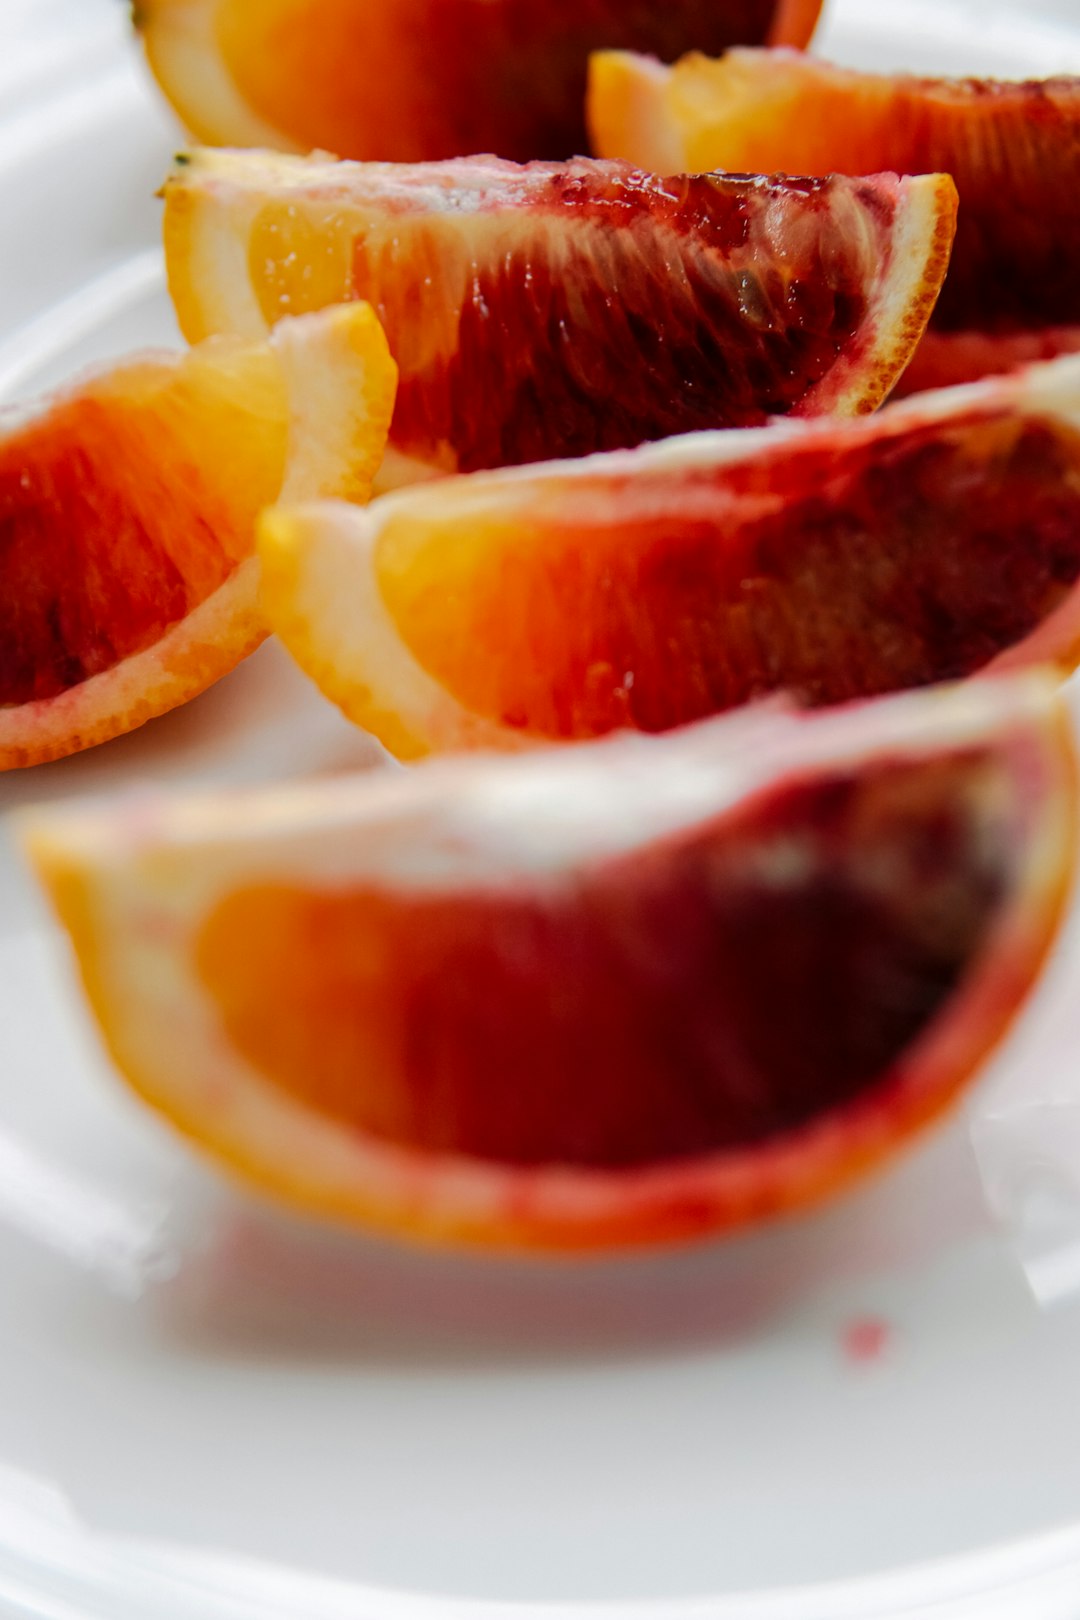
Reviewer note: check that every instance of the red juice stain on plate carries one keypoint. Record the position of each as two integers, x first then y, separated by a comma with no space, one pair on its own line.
865,1340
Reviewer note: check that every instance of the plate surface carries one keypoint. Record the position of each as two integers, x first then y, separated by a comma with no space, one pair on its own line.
209,1410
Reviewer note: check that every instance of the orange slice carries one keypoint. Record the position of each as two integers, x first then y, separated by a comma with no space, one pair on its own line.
649,588
1013,289
128,581
629,993
556,309
414,79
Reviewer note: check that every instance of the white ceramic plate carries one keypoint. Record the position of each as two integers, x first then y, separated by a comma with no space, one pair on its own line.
207,1410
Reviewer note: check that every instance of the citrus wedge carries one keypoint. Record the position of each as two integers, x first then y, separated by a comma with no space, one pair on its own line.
648,588
1013,289
128,581
634,992
414,79
557,309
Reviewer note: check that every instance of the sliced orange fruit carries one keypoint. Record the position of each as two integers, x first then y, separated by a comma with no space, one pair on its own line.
1013,289
413,79
648,588
557,309
128,581
634,992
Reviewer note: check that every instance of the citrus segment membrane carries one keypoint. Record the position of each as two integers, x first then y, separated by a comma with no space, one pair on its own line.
557,309
650,588
416,79
1012,148
127,518
628,993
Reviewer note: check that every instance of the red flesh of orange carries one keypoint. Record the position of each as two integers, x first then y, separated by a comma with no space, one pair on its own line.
102,548
660,976
547,311
418,79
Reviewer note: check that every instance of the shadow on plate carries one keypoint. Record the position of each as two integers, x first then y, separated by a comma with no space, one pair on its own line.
269,1287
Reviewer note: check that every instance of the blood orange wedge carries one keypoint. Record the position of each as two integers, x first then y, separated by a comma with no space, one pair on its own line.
556,309
413,79
128,581
1013,289
628,993
649,588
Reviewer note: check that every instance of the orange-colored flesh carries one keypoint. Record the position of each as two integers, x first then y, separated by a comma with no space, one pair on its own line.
1013,150
860,564
626,1014
794,22
102,547
123,506
417,79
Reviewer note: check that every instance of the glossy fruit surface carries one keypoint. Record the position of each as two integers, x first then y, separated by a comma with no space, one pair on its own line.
408,80
1013,289
653,587
557,309
633,992
128,502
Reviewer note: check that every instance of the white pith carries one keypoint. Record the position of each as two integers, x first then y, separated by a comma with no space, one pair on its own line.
323,599
183,34
340,383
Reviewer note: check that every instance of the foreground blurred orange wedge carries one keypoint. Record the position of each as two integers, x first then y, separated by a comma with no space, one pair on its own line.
638,991
413,79
653,587
1013,289
127,507
547,310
